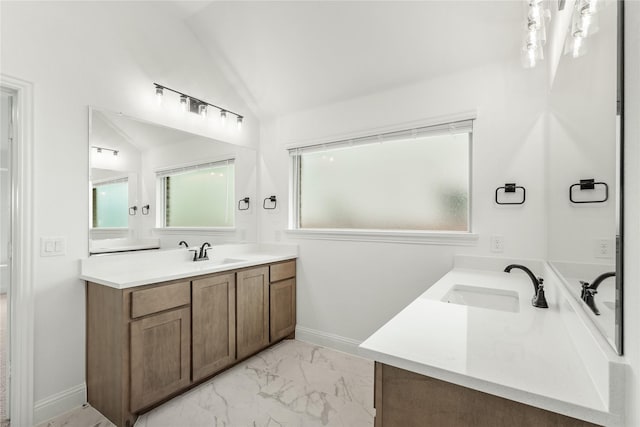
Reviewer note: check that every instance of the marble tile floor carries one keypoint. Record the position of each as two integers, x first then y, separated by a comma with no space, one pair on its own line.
290,384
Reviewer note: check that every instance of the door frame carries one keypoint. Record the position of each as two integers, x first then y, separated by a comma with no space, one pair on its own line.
22,293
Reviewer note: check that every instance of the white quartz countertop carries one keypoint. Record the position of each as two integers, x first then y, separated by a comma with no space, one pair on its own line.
123,271
526,356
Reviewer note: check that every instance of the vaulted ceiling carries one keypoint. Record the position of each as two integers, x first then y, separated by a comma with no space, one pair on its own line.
295,55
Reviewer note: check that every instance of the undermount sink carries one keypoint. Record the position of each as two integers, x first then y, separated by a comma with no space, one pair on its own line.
489,298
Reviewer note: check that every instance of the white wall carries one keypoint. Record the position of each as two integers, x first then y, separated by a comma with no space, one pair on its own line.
106,54
632,210
363,283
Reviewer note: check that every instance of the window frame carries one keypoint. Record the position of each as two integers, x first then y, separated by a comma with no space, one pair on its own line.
94,186
161,200
464,238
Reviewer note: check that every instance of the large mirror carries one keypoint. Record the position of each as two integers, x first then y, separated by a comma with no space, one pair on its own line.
152,186
584,173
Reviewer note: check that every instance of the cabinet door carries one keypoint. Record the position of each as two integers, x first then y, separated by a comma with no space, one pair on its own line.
160,356
252,310
282,309
214,324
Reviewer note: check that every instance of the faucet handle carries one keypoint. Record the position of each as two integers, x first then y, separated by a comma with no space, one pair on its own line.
195,253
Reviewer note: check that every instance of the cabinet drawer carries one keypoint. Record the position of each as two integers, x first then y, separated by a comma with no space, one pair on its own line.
281,271
162,298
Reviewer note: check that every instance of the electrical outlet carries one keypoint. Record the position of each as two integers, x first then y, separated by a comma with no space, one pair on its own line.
604,248
497,243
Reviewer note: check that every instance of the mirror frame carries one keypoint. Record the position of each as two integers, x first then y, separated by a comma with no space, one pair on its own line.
619,326
245,223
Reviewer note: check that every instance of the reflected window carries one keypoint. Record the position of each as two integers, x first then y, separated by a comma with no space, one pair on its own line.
416,179
198,196
110,201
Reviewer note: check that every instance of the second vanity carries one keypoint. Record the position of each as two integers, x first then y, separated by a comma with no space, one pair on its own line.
472,350
159,323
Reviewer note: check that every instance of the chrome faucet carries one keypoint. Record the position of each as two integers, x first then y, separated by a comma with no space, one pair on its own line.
538,299
589,290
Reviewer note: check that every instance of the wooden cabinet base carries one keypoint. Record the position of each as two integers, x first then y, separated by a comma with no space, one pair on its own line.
407,399
148,344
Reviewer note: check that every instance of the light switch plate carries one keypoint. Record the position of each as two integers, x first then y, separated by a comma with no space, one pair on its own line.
53,246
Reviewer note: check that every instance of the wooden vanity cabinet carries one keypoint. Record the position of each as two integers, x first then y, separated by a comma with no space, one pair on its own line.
407,399
149,343
160,356
282,296
214,324
138,346
252,305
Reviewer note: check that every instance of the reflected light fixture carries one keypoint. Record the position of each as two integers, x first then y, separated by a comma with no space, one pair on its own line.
535,35
184,100
197,106
102,149
159,94
584,23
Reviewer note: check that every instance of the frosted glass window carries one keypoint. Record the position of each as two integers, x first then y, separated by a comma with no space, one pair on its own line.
110,203
199,197
403,183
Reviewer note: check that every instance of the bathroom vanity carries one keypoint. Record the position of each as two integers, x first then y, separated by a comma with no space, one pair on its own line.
149,339
472,350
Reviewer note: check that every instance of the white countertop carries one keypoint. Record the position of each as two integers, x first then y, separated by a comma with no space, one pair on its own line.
123,271
526,356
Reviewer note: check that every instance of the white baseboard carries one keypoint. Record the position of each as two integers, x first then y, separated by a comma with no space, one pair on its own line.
326,339
59,403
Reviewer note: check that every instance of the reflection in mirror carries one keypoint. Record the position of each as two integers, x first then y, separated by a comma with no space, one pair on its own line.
152,186
584,137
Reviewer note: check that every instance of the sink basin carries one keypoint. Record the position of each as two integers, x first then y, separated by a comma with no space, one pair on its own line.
489,298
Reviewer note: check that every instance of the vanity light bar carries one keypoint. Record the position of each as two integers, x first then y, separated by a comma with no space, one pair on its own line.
102,149
200,105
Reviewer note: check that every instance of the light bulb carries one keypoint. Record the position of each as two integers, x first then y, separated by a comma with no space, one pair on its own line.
223,117
159,94
202,110
578,45
239,123
593,5
183,102
530,55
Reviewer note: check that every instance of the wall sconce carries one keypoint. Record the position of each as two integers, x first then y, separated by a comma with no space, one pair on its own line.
196,105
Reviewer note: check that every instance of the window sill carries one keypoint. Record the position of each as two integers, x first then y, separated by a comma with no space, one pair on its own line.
450,238
106,231
206,231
